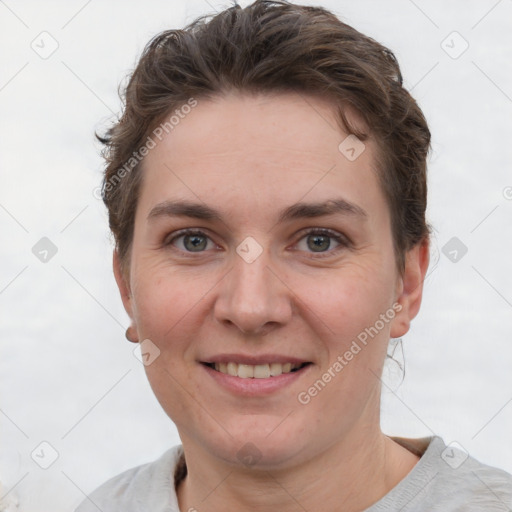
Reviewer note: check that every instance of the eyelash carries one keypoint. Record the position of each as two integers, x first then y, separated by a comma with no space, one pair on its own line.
341,239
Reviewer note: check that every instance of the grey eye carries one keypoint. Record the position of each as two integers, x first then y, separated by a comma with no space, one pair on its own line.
318,243
191,241
195,243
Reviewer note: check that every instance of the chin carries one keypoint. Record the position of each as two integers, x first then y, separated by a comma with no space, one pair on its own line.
265,445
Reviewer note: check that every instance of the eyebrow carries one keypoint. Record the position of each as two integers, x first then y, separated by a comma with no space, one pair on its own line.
185,208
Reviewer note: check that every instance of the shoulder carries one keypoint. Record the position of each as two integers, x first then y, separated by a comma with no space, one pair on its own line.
448,479
146,487
471,482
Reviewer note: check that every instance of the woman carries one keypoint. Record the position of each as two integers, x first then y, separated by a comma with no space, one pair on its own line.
266,188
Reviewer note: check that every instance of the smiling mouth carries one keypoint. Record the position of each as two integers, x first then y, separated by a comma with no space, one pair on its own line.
257,371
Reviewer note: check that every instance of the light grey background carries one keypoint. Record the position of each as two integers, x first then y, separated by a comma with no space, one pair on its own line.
69,378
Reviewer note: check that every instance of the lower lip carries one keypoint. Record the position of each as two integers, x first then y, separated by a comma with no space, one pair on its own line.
255,387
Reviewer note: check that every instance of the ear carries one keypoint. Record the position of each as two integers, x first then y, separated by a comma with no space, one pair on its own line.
122,280
410,288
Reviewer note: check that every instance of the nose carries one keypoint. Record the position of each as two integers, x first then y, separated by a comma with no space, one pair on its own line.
253,297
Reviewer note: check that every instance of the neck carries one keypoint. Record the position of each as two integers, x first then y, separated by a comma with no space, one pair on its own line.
350,475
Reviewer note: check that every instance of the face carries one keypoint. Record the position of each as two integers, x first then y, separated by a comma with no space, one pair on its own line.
287,263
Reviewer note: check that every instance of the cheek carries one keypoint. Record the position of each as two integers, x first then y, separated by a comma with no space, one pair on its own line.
171,309
160,312
349,300
356,343
173,389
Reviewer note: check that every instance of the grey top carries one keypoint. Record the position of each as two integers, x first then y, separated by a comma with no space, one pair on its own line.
445,479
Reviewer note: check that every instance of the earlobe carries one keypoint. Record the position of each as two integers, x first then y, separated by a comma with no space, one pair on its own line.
409,298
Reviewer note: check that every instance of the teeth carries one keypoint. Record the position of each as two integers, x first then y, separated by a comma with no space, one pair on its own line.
262,371
276,369
245,371
232,369
258,371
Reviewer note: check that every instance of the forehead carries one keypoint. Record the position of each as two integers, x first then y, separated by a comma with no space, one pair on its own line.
282,123
276,148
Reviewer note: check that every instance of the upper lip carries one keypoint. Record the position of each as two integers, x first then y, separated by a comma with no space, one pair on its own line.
253,359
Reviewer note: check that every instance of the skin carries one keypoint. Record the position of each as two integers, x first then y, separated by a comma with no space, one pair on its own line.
249,157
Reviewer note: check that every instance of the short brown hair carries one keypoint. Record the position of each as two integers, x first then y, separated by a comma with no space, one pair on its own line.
271,47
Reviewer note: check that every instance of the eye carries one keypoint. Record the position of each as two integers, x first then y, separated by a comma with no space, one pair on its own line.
318,241
193,240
